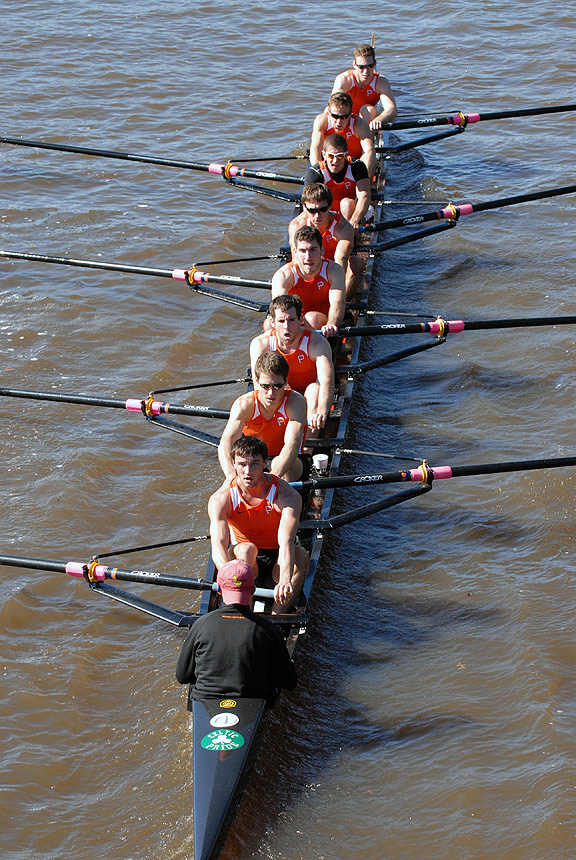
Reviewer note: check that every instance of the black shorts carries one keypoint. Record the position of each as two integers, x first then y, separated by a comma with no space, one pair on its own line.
267,558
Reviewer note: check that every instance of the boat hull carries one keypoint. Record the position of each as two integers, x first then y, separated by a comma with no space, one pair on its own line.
224,733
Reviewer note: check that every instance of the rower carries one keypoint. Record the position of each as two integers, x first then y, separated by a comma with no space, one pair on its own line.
275,414
232,652
337,233
348,180
338,118
366,88
260,512
308,353
320,283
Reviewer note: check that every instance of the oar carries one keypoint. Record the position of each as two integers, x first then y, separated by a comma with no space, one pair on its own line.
462,119
426,473
149,407
442,327
95,572
226,170
191,276
452,213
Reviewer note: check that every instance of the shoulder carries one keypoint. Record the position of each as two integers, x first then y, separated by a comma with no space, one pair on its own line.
361,128
288,497
296,404
344,229
319,346
320,121
243,403
260,343
334,270
359,169
220,496
343,82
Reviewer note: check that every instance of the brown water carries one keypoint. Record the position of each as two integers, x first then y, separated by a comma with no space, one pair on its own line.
435,714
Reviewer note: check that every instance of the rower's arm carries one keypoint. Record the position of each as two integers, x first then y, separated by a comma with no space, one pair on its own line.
325,377
296,411
345,244
337,297
367,142
362,202
294,225
387,103
239,414
218,509
317,139
258,345
291,507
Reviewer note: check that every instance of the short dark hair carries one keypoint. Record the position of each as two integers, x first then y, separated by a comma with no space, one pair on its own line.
273,363
249,446
308,234
338,141
284,302
316,192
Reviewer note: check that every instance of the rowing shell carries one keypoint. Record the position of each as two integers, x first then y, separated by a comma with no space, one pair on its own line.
225,730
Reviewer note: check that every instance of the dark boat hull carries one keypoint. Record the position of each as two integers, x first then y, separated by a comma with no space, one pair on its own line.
224,732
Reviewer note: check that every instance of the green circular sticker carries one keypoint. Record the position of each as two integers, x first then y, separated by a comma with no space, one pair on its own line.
223,739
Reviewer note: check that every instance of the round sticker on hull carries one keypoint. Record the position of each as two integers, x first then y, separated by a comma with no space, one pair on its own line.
222,739
228,703
222,721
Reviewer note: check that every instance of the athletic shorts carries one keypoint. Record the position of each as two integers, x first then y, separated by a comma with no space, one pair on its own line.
267,558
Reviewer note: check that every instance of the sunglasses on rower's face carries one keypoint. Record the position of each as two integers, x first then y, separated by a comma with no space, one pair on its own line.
339,115
316,210
267,386
335,156
364,65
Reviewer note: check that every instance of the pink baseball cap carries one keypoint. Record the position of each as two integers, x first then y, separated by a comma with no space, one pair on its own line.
236,581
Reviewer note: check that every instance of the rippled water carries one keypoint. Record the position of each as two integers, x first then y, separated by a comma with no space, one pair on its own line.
435,714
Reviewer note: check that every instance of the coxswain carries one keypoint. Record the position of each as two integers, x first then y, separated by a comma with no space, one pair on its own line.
308,353
348,180
367,87
338,118
254,517
337,233
274,413
320,283
233,652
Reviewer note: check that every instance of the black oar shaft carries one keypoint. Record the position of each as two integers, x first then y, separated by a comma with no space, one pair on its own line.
462,119
442,327
219,169
100,572
132,404
435,473
452,212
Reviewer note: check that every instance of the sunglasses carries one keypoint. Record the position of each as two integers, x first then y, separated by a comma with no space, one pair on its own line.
268,386
317,210
339,115
337,156
365,66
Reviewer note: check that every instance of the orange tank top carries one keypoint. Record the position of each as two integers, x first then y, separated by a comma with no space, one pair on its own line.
257,524
272,431
302,368
340,190
354,145
315,294
329,241
367,96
